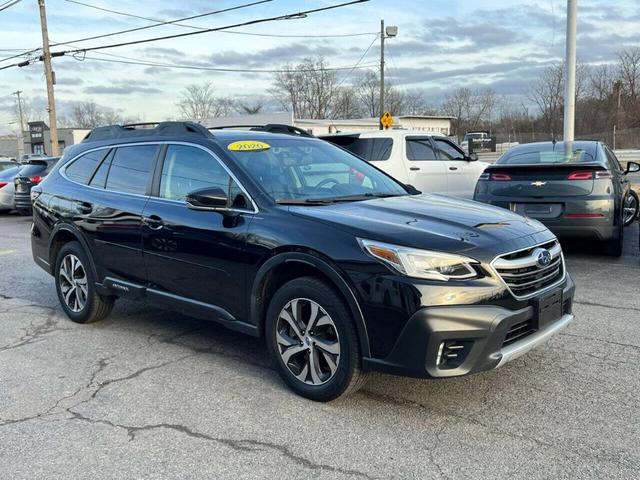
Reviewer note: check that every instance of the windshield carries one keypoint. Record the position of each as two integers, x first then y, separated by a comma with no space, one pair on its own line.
473,136
546,157
307,171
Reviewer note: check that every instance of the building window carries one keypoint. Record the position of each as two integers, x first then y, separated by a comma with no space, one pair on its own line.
38,148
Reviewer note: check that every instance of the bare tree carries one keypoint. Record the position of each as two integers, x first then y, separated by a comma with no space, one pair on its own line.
307,88
629,74
346,104
546,92
85,115
251,108
471,108
199,102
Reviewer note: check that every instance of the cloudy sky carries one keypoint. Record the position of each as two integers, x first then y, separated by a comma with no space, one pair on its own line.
442,44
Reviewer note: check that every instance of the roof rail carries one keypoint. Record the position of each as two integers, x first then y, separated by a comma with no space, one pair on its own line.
148,130
270,128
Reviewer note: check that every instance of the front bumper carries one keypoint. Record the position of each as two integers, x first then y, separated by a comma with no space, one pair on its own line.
482,330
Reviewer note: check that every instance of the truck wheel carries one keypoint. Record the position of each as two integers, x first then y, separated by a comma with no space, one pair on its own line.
313,341
76,286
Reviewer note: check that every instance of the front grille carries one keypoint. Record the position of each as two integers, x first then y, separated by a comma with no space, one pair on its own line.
522,273
518,331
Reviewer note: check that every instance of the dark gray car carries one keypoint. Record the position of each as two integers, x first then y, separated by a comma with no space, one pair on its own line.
576,189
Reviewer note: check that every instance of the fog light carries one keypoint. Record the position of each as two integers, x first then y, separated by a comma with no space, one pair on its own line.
452,353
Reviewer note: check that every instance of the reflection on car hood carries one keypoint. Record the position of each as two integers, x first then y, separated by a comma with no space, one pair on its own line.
433,222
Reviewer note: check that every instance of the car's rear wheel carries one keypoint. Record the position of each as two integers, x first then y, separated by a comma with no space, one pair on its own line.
313,341
631,208
76,286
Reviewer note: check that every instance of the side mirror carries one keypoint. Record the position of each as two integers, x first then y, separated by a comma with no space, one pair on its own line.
411,189
213,198
472,157
632,167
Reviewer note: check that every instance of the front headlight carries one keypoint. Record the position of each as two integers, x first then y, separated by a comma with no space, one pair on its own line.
421,263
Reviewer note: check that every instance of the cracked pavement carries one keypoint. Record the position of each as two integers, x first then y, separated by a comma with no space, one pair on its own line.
149,393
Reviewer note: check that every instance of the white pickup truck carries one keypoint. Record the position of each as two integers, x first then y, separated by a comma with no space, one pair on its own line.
429,161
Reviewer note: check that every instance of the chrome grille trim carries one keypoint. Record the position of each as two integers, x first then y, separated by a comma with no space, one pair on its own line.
520,280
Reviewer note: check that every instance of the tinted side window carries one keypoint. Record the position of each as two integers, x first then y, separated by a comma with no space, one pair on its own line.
100,177
371,149
81,169
131,168
420,149
186,169
448,151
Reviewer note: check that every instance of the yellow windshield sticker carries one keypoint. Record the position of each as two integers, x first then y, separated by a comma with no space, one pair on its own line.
248,146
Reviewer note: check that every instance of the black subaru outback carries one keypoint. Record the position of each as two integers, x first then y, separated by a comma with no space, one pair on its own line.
341,268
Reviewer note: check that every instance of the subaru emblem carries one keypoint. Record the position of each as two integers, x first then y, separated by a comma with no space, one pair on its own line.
543,257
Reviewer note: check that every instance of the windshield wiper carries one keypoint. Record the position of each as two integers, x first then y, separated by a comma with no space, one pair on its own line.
330,200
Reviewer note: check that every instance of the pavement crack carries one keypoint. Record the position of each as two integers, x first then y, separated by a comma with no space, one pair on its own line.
604,305
611,342
35,333
242,445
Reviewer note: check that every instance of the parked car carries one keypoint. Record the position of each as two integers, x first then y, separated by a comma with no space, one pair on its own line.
7,164
7,191
576,191
31,174
429,161
340,267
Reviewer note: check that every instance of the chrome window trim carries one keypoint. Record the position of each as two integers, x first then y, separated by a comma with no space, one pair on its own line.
538,292
62,172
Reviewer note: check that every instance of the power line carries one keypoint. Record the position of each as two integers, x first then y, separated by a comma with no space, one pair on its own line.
176,23
301,14
215,69
8,4
160,22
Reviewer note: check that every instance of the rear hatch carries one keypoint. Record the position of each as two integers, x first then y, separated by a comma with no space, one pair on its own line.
542,181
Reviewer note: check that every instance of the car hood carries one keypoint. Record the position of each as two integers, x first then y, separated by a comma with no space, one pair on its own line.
433,222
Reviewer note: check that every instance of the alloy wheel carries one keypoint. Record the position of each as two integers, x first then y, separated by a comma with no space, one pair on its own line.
630,208
73,283
308,341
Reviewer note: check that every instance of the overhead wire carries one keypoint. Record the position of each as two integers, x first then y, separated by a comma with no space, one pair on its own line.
8,4
195,27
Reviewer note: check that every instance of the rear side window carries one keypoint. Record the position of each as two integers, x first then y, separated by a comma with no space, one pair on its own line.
83,167
131,169
371,149
100,177
420,149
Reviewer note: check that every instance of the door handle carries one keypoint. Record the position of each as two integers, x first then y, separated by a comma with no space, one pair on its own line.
154,222
85,208
414,168
453,168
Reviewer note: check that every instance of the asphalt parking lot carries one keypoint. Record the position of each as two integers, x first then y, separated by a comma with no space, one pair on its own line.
149,393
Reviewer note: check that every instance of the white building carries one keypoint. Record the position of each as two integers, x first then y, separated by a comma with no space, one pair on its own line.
425,123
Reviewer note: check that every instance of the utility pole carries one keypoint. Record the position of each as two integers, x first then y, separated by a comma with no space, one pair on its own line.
381,75
570,72
50,77
389,32
21,123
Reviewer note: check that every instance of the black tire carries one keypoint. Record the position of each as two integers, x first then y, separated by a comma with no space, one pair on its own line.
630,220
348,376
96,307
24,212
614,246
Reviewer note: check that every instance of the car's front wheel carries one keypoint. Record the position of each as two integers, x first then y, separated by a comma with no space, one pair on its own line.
313,340
76,286
631,208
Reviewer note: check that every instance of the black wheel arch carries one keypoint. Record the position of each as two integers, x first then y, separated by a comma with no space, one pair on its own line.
288,265
64,233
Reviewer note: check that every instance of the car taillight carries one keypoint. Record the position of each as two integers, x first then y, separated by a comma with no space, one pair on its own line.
2,184
36,179
581,175
600,174
484,176
500,176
